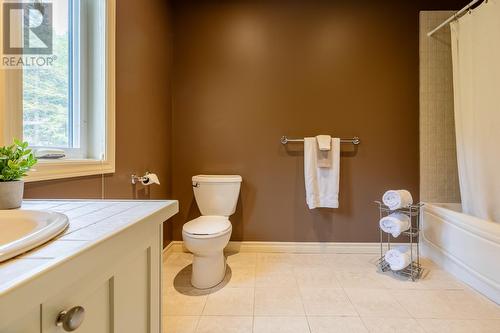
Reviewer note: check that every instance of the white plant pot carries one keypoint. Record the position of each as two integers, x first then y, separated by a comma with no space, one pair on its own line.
11,194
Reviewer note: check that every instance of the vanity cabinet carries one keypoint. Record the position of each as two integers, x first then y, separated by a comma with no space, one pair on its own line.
94,297
28,322
116,283
114,300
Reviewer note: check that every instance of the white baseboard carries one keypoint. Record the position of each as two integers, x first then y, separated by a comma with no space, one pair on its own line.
461,271
303,247
167,250
292,247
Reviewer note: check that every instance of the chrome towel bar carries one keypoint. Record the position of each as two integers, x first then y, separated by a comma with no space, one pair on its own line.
355,141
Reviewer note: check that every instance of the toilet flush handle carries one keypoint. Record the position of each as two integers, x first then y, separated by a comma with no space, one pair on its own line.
196,184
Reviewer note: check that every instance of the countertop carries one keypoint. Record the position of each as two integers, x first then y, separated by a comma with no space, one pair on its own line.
90,222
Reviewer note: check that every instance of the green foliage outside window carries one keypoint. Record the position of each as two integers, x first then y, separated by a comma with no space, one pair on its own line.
46,100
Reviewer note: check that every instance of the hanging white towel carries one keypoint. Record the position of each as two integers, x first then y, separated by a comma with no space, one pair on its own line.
395,223
324,151
322,184
324,142
398,258
395,199
324,158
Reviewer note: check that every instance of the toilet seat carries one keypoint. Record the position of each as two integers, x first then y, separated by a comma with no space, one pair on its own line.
207,226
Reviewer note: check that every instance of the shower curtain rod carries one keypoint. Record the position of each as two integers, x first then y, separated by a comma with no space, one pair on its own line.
454,16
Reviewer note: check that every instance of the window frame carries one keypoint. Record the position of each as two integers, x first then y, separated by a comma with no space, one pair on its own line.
77,113
11,116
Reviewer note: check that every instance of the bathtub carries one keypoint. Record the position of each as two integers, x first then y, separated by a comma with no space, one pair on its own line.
464,245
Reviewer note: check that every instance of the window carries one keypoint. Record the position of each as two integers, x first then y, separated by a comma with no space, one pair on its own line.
49,116
67,106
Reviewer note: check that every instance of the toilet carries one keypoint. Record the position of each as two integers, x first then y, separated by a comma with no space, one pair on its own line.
207,236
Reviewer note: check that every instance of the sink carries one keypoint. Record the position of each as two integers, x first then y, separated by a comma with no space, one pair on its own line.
23,230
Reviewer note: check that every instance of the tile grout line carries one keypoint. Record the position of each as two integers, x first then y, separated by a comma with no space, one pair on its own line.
402,305
71,209
354,306
201,313
35,208
198,322
101,220
364,320
301,298
198,317
423,328
86,214
205,305
418,324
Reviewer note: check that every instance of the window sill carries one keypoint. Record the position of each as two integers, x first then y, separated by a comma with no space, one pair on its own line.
59,169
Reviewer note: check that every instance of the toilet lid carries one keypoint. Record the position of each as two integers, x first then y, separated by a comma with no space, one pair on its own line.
207,225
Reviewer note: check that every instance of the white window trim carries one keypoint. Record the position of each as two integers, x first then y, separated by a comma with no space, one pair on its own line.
11,115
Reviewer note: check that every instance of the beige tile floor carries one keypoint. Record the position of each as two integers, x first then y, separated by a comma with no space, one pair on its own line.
320,293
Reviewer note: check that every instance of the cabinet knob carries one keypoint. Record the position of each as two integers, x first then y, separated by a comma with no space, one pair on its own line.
71,319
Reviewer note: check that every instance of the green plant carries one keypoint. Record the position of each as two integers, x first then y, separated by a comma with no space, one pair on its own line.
15,161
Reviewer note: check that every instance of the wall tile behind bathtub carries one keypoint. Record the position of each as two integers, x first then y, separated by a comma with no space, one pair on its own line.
438,161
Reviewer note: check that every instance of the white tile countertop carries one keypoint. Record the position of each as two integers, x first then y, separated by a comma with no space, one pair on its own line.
90,222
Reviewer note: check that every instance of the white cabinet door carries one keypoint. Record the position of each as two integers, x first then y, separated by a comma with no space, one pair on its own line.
96,297
132,297
27,323
125,299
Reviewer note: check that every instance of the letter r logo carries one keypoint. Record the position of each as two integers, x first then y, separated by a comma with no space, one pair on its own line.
27,28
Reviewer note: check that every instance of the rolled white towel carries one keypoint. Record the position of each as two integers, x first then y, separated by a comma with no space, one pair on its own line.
398,258
395,223
395,199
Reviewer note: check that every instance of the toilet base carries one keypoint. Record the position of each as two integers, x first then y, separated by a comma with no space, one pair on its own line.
208,270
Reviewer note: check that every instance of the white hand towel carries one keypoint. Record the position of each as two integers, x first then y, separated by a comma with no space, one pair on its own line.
398,258
395,199
395,223
324,142
324,158
322,184
324,151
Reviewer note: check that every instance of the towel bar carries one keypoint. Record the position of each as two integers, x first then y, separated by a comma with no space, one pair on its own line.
355,141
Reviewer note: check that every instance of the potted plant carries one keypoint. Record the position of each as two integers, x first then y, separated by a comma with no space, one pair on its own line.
15,161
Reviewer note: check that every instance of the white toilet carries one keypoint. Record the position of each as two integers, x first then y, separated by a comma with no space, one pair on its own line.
207,236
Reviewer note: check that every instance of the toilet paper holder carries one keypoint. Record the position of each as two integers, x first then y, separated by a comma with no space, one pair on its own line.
148,179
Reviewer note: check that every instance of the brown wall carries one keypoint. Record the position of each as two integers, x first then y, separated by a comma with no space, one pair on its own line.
248,72
143,108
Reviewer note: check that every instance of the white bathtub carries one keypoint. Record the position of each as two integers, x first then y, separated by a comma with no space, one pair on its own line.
464,245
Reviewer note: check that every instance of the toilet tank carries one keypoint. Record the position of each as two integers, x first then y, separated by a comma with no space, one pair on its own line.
216,194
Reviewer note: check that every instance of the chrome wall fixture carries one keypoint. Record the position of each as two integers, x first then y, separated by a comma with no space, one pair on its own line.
148,179
355,141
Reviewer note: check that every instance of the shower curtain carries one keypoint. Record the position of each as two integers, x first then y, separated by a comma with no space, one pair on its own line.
476,83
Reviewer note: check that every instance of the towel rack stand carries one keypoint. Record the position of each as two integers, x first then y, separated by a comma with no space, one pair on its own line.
355,141
414,270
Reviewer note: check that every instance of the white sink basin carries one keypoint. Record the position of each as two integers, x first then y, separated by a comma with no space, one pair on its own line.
22,230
